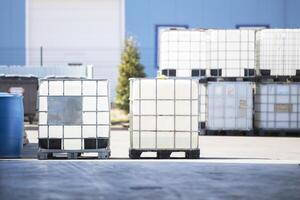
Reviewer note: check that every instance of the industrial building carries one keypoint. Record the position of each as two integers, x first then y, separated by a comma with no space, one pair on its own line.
61,33
216,117
93,32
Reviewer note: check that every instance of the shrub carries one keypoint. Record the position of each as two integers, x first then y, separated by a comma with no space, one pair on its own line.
130,67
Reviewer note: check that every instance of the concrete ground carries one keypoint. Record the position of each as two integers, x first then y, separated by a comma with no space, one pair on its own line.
228,147
39,180
283,149
229,168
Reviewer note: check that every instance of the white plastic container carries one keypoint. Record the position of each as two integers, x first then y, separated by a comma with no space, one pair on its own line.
182,50
213,52
277,106
230,106
74,110
163,114
278,50
231,52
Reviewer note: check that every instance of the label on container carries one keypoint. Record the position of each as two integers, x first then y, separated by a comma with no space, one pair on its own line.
243,108
243,104
283,107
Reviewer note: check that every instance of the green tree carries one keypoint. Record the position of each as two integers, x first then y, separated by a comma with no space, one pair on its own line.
130,67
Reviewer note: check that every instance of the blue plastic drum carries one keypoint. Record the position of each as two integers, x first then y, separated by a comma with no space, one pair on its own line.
11,125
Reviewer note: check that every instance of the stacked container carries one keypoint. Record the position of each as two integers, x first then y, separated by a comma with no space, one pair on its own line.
277,107
207,53
278,52
277,89
223,60
164,117
230,106
230,53
183,52
74,117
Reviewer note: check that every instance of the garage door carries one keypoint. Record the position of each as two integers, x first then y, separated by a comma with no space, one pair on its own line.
74,32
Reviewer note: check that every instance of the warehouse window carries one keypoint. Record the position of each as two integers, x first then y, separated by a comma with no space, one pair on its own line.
158,29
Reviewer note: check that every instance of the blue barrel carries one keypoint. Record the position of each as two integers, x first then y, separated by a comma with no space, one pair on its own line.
11,125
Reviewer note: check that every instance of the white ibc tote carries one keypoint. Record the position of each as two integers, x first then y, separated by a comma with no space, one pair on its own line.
74,110
230,106
278,52
277,106
164,114
230,53
183,51
205,53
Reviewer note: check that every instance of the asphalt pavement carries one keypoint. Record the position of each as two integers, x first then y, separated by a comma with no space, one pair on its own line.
229,168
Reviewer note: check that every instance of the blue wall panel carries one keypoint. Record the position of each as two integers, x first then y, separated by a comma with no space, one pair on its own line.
12,32
292,14
143,15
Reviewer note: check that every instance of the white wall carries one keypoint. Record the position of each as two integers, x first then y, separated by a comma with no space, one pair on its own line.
76,31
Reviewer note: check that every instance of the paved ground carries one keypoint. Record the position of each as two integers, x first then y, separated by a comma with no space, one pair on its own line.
40,180
275,148
230,168
211,147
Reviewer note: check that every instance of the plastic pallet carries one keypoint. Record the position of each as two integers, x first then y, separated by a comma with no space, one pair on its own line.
230,132
45,154
164,154
234,79
270,79
279,132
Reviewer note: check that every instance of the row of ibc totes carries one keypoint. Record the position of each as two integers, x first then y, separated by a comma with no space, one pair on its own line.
249,107
167,114
229,52
207,53
247,78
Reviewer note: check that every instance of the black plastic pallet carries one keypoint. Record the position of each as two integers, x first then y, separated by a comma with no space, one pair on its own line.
164,154
230,132
255,132
248,72
232,79
45,154
265,75
280,133
278,79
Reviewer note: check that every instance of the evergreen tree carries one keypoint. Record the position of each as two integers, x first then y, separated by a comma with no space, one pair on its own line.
130,67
